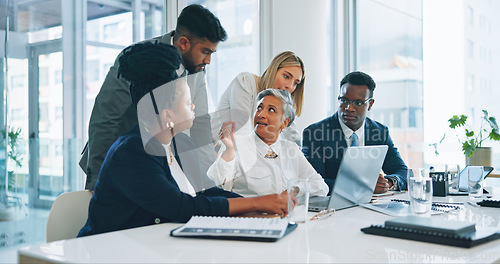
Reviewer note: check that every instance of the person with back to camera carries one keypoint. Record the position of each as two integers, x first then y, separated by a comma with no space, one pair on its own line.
142,182
325,141
196,37
261,162
237,103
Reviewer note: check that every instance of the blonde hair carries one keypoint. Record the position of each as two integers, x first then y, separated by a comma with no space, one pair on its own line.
285,59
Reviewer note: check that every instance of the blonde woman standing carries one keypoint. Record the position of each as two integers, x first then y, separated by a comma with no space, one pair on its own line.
237,103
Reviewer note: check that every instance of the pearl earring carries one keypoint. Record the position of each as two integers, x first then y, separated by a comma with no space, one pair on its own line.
169,125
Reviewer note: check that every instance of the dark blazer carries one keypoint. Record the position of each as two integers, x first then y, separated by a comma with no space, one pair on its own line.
324,145
137,189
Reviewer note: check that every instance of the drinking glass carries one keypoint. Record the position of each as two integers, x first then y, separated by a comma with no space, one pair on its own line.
475,180
453,177
298,199
419,191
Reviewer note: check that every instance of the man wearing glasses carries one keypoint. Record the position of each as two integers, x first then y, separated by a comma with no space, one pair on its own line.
324,142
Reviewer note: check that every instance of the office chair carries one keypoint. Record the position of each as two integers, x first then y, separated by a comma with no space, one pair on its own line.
68,215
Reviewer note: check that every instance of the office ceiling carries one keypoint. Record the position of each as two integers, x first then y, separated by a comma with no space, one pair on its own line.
31,15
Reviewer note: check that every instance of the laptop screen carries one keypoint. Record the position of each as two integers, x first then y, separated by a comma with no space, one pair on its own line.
357,176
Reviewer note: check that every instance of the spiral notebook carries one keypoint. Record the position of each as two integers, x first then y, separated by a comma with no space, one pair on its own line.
489,203
437,231
400,207
235,228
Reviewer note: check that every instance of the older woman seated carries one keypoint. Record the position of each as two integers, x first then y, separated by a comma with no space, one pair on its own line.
262,162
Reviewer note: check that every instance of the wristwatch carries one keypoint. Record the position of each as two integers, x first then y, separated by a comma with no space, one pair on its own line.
394,181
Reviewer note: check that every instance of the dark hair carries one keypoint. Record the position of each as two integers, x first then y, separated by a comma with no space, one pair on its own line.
359,78
147,66
197,22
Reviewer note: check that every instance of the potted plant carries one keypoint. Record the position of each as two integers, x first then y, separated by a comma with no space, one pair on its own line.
9,203
472,147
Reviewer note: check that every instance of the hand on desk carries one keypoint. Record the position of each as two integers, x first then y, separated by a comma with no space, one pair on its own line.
274,204
383,184
271,204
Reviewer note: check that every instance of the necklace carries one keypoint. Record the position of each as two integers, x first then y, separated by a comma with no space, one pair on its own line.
171,156
271,154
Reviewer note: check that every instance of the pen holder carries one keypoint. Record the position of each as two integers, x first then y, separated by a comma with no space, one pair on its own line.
439,183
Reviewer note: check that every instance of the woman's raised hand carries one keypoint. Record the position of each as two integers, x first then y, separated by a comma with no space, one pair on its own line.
226,134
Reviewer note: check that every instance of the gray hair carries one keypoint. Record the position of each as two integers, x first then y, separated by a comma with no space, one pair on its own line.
286,100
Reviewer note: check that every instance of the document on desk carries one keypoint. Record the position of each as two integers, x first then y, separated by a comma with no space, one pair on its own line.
238,228
438,231
399,207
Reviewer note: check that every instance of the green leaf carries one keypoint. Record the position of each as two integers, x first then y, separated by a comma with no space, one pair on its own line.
493,123
494,135
457,121
469,133
468,148
434,146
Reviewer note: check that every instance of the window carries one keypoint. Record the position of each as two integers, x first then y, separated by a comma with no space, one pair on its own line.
469,15
111,31
17,81
36,104
93,70
482,22
476,61
470,82
58,77
393,58
470,49
240,52
44,76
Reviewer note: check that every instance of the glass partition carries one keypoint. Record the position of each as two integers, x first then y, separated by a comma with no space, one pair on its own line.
54,61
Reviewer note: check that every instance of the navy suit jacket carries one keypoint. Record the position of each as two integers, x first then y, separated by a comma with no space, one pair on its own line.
137,189
324,145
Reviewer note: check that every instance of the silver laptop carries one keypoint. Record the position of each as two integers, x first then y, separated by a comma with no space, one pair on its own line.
356,179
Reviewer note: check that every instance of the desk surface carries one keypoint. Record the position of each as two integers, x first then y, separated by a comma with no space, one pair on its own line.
334,239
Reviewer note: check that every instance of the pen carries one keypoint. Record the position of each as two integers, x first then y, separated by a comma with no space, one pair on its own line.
473,204
323,214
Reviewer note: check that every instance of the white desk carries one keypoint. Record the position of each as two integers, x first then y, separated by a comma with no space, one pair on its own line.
335,239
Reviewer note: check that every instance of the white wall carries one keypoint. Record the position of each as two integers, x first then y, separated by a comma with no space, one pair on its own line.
301,26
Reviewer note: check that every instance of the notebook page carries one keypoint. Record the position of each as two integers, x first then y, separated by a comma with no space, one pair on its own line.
234,226
236,222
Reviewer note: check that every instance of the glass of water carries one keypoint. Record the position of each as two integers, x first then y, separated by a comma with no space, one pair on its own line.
453,177
476,182
298,199
419,191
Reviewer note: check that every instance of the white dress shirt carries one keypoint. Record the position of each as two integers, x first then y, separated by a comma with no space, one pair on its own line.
251,174
348,132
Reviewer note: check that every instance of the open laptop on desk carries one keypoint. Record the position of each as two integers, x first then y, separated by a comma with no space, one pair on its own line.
356,179
463,187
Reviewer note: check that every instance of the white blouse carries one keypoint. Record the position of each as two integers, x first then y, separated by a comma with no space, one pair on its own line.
238,103
180,178
251,174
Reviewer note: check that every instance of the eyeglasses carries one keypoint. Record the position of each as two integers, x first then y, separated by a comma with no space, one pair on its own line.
344,102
